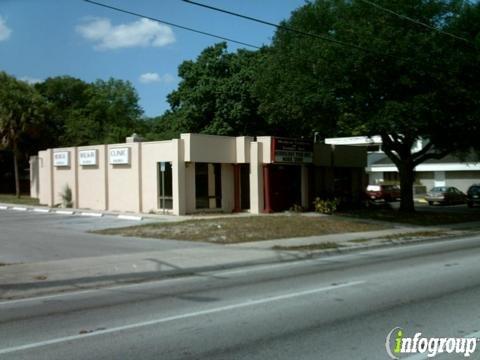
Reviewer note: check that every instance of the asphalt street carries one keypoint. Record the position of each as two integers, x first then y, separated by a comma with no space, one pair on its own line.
334,307
34,237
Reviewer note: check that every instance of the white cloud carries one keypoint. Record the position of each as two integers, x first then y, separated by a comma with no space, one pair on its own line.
5,31
153,77
30,80
143,33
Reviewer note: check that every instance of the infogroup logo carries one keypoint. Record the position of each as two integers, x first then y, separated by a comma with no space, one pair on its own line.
398,344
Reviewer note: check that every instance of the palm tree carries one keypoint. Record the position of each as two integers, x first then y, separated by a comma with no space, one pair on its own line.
21,109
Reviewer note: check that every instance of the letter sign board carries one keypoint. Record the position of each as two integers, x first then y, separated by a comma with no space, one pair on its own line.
87,157
120,156
61,158
291,151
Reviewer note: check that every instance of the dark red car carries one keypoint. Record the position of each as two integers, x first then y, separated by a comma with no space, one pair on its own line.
386,193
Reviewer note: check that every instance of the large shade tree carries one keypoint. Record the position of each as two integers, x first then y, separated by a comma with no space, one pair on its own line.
215,95
394,78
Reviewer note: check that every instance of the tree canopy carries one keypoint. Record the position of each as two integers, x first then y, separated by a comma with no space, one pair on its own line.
216,95
393,77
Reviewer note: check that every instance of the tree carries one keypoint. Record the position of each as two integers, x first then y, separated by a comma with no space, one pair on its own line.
215,95
394,78
67,98
21,110
90,113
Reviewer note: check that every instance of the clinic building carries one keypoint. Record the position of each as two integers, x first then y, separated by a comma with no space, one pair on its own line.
197,173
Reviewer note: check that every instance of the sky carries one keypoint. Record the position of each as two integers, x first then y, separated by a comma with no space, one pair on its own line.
45,38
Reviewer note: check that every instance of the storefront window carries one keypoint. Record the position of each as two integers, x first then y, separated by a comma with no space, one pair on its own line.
208,186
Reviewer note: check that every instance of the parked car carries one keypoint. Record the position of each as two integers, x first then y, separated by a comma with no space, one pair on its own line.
383,192
473,195
445,195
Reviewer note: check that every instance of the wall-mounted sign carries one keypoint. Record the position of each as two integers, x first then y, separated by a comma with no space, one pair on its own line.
61,158
87,157
294,151
120,156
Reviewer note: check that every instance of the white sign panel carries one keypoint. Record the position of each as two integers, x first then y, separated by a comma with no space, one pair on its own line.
61,158
87,157
120,156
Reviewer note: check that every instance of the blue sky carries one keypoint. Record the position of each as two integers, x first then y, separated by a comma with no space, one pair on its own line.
42,38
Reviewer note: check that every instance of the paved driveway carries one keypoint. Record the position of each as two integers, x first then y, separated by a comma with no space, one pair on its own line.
32,237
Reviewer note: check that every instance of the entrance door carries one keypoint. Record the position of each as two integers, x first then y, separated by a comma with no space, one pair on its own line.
285,186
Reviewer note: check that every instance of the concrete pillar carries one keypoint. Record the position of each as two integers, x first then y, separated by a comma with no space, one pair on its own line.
228,187
304,186
190,187
178,177
256,178
34,177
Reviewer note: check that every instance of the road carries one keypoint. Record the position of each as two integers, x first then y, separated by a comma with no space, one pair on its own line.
32,237
336,307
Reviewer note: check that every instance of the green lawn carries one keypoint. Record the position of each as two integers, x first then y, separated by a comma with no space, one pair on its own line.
12,199
244,229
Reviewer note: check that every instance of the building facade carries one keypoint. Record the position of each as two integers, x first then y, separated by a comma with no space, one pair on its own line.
196,173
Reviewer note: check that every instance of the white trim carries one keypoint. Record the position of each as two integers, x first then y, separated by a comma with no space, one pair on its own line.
356,140
17,208
91,214
429,167
38,210
64,212
2,207
129,217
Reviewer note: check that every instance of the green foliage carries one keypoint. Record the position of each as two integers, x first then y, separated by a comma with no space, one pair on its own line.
297,208
91,113
215,95
22,110
67,198
412,82
325,206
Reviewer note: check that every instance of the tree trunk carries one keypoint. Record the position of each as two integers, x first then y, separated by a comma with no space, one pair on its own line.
17,177
407,178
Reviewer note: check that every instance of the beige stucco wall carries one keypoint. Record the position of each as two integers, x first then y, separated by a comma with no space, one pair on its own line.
152,154
266,149
124,181
45,177
65,176
228,196
209,148
92,180
34,177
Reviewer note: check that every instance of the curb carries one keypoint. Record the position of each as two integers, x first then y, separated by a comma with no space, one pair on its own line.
76,212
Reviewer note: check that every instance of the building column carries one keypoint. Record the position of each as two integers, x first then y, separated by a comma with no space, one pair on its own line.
256,178
266,189
178,177
236,188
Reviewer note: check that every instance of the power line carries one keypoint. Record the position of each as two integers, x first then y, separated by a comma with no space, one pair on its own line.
404,17
288,28
172,24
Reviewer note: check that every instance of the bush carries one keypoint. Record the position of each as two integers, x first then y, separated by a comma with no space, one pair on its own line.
66,196
325,206
297,208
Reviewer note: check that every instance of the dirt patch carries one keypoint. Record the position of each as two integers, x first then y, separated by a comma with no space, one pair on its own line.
246,229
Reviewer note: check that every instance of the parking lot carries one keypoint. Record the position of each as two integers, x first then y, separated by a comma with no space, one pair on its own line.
31,237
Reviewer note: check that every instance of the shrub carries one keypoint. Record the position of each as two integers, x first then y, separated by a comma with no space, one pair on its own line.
297,208
66,196
325,206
